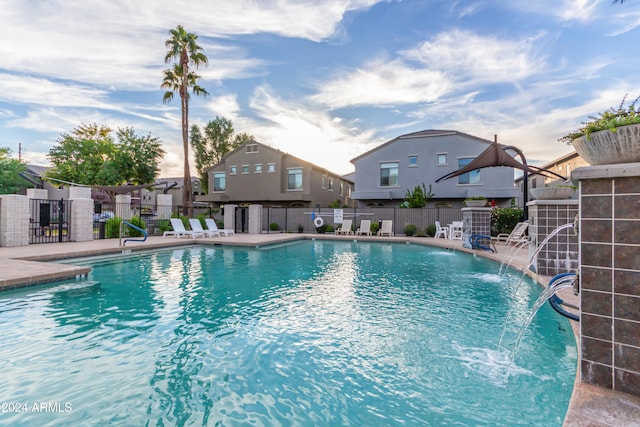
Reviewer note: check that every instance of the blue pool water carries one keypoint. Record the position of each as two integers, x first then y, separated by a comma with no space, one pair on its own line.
314,333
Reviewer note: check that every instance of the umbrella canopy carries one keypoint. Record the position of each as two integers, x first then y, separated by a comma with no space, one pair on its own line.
493,156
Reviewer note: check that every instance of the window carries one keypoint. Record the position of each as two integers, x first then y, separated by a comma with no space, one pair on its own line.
233,170
388,174
219,181
342,188
294,181
413,161
258,168
252,148
330,184
441,159
472,177
324,182
271,167
245,168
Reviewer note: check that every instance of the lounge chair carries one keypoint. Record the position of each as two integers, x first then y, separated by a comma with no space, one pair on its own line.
179,230
345,228
516,237
196,225
212,226
441,231
365,227
455,231
387,228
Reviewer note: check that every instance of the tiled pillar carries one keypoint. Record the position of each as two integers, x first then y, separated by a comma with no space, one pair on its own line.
123,206
230,216
14,220
560,254
610,276
475,221
164,205
255,219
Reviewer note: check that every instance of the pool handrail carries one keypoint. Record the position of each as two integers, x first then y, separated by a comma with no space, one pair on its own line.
135,227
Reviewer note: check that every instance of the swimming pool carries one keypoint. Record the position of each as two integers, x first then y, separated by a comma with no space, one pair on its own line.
314,333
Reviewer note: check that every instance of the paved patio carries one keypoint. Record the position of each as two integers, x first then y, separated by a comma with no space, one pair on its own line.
28,265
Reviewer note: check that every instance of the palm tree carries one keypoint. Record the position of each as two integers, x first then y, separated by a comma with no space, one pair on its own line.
185,51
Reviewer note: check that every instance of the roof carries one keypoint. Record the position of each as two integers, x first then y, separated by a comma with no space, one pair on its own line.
429,133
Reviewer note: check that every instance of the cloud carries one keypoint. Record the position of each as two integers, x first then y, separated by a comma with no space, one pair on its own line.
308,133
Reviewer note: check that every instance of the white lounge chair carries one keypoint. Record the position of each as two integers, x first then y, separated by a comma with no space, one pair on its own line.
387,228
345,228
179,230
212,226
516,237
365,227
441,231
455,231
196,225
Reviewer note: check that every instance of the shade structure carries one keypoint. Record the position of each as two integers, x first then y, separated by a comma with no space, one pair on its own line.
496,155
122,189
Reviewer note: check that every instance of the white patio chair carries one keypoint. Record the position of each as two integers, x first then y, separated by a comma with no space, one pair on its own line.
516,237
196,225
387,228
365,227
455,232
441,231
179,230
345,228
212,226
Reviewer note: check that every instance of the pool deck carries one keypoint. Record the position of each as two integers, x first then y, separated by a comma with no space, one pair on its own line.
30,265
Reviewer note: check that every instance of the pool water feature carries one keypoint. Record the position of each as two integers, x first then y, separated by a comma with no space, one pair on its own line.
315,333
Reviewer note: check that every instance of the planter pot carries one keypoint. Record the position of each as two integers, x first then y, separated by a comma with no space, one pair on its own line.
552,193
475,203
606,147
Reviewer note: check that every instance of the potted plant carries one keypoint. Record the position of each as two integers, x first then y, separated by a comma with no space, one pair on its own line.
557,192
475,202
612,136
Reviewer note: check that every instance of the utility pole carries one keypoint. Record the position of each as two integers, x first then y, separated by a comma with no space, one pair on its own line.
20,151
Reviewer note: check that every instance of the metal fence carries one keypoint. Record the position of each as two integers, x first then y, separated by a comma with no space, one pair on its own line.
146,212
300,219
49,221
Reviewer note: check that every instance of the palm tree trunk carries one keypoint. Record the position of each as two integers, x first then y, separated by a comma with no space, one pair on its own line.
186,187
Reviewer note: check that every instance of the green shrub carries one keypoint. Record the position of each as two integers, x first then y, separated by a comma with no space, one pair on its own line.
300,229
138,222
112,227
274,226
164,225
503,220
330,229
430,230
410,229
374,228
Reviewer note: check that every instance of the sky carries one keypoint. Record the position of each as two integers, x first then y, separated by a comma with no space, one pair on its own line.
323,80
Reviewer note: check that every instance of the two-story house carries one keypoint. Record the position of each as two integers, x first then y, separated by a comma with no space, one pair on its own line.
255,173
383,175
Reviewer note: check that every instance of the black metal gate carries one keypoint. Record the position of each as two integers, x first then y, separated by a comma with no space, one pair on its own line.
242,219
49,221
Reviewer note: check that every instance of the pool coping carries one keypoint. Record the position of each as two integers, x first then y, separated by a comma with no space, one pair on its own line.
32,265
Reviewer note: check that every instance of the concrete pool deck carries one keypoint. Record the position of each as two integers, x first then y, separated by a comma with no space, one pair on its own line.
27,265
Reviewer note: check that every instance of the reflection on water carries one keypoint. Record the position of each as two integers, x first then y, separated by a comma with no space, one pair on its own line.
318,333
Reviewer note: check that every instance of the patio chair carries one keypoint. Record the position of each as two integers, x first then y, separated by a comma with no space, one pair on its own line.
441,231
516,237
345,228
387,228
196,225
179,230
455,232
212,226
365,227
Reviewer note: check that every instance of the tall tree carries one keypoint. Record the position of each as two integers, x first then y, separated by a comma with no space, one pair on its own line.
209,146
90,155
183,51
10,180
